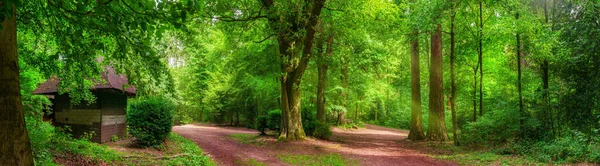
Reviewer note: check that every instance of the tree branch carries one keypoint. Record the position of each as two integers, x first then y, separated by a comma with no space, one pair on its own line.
265,39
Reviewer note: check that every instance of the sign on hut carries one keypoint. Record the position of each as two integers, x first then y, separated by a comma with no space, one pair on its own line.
105,118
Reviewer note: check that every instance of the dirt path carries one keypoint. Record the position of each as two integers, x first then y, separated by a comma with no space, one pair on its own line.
372,145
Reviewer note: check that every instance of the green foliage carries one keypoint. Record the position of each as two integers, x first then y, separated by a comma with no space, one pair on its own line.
274,122
494,128
309,121
262,122
572,148
322,130
150,120
40,136
194,155
63,142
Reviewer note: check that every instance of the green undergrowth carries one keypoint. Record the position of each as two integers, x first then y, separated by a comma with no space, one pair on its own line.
315,160
465,156
53,146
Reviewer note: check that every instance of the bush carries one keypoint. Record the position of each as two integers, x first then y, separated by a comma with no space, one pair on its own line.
150,120
40,134
322,130
262,123
309,121
274,119
493,128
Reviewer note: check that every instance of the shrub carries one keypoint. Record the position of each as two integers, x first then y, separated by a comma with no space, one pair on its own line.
322,130
274,119
309,121
261,123
150,120
493,128
40,134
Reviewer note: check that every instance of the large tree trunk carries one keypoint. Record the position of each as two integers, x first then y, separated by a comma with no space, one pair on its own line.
416,122
15,147
437,124
292,118
322,83
453,80
293,62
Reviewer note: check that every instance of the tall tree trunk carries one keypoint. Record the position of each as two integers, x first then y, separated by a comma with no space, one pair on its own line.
292,118
437,124
294,63
416,122
480,58
475,93
545,78
518,35
453,79
322,83
344,78
15,147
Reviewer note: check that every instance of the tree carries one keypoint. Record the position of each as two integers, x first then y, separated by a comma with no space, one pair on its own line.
322,69
437,125
453,74
416,124
295,51
15,148
416,128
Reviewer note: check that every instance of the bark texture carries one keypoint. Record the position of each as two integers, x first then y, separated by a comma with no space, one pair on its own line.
453,81
519,86
416,122
293,61
15,147
437,124
322,82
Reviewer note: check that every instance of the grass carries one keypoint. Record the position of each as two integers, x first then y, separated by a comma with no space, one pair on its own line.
177,151
250,139
464,156
314,160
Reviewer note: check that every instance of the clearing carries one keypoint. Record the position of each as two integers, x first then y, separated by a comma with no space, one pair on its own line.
372,145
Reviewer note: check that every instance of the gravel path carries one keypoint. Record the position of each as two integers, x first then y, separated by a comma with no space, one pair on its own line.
372,145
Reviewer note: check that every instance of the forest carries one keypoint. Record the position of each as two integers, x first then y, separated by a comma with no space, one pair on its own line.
468,82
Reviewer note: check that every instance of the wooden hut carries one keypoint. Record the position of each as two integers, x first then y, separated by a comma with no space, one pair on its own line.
105,118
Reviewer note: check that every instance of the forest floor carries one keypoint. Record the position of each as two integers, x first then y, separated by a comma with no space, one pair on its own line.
372,145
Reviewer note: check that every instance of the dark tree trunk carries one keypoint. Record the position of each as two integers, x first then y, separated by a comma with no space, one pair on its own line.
15,147
322,82
475,93
453,79
416,122
480,58
519,78
437,124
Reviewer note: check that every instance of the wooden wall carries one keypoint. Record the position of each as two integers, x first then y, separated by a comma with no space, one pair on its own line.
106,117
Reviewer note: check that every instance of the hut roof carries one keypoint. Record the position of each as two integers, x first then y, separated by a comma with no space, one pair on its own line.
110,81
